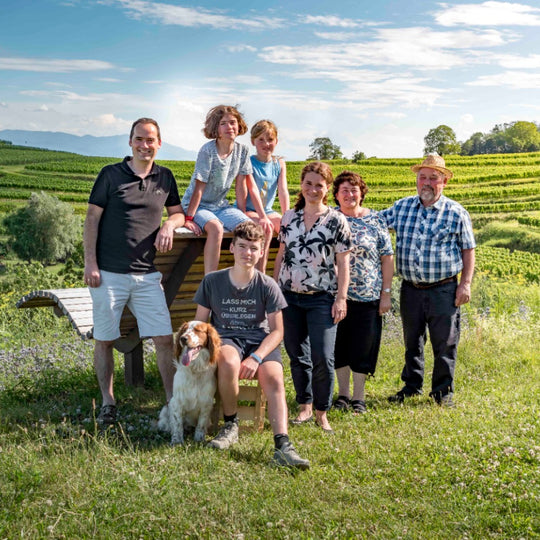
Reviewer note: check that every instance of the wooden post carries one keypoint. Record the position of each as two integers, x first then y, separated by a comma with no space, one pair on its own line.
134,366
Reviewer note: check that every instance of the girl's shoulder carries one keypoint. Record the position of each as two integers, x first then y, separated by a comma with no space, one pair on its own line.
209,147
241,147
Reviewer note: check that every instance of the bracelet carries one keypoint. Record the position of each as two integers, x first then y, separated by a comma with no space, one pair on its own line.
256,357
189,218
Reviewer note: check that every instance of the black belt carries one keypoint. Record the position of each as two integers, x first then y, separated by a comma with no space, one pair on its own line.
430,285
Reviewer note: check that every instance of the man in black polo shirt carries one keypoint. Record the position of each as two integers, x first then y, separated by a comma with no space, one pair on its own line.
122,232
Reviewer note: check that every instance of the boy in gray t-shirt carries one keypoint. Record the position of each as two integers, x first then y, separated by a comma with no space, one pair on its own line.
245,307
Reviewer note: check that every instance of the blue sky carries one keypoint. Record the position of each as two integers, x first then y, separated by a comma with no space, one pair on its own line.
373,76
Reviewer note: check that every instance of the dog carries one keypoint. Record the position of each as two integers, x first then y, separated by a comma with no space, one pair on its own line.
196,346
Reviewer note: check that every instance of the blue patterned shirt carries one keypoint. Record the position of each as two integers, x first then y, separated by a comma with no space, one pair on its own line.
370,242
429,240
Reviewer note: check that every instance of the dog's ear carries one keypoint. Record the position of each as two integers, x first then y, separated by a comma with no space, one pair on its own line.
214,343
177,345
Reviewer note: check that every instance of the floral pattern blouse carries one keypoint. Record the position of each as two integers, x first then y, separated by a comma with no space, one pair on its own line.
308,264
370,241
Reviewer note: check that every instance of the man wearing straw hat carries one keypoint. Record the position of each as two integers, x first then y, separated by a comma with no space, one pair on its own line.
434,243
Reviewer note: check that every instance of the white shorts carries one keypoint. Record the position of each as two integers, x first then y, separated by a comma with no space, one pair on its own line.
141,293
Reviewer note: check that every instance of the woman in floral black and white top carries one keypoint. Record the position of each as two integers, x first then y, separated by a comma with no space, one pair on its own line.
372,267
312,269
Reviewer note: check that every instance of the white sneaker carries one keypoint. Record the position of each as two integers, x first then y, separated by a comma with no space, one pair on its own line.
227,436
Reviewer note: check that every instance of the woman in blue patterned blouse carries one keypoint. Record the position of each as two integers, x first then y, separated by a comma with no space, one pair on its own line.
371,270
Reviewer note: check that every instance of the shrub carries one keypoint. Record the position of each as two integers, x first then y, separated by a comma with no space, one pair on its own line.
45,230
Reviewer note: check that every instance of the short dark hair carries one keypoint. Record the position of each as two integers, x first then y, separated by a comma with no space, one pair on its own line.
144,121
248,230
214,116
354,179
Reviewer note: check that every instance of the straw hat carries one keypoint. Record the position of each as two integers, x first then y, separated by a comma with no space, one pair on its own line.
433,161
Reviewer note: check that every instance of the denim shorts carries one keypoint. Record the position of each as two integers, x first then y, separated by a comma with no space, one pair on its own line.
141,293
228,216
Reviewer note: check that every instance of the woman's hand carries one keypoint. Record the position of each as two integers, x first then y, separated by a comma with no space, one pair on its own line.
193,227
339,310
385,303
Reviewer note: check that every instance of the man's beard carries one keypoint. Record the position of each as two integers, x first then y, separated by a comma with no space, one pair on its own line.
427,195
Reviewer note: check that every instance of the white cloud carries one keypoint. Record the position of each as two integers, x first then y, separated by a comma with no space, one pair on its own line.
330,20
195,17
419,48
53,65
512,61
63,95
511,79
489,14
110,120
240,48
337,36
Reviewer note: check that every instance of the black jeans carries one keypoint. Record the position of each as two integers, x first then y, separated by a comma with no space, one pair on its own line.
430,309
310,336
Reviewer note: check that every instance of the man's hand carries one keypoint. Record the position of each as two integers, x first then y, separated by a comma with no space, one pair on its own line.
92,275
463,294
248,368
164,238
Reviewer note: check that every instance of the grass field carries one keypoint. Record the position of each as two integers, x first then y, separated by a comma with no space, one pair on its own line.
414,471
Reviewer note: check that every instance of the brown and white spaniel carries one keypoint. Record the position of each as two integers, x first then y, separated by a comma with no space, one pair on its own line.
196,346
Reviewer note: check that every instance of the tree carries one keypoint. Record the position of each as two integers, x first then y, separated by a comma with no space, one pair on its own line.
522,137
358,156
441,140
323,148
45,230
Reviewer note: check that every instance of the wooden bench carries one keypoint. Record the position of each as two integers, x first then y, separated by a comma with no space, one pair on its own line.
182,269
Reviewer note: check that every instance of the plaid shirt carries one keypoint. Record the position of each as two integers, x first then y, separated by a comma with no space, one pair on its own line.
429,240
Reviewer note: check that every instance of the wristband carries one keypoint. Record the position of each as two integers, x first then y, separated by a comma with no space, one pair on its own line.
256,357
189,218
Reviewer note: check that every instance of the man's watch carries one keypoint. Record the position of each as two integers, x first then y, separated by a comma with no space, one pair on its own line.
387,290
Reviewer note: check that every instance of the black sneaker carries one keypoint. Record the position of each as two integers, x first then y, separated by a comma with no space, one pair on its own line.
107,415
287,456
447,401
399,397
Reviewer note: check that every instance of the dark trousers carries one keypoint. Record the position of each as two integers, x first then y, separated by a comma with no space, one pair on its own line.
430,309
310,335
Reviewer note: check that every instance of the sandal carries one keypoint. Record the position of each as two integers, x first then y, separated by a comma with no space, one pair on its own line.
342,403
358,406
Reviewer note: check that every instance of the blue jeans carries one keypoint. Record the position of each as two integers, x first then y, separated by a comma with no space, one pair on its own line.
433,309
310,336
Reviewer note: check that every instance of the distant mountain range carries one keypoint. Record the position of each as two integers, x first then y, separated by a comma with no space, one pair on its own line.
88,145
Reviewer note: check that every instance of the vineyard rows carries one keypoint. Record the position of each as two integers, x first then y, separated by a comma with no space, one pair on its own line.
503,263
483,184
